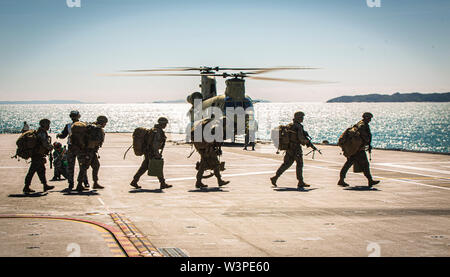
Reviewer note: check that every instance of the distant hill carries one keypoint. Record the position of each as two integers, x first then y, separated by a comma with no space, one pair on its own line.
396,97
169,101
48,102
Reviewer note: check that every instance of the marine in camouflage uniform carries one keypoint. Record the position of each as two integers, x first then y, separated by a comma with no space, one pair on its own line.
38,160
209,159
360,157
89,158
71,152
209,155
294,152
153,151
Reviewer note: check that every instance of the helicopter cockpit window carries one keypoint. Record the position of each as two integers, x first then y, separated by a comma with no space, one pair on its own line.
247,104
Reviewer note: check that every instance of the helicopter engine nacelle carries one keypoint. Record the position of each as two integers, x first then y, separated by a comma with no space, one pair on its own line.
235,89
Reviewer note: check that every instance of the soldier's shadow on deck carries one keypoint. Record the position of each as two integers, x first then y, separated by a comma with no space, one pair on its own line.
282,189
83,193
146,190
35,194
213,189
361,188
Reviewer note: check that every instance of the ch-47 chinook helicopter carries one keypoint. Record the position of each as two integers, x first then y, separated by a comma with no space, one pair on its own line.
234,95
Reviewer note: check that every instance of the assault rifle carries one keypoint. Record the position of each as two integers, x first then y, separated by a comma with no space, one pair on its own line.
50,158
314,148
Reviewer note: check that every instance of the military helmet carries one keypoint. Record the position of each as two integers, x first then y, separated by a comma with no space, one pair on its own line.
163,120
44,122
102,119
74,113
299,114
367,114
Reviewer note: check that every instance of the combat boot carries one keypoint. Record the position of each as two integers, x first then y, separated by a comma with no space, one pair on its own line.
70,187
27,190
200,185
274,181
135,184
47,187
373,182
223,183
97,186
302,184
342,183
80,188
164,186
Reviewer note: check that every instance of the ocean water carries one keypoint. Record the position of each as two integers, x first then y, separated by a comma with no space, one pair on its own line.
410,126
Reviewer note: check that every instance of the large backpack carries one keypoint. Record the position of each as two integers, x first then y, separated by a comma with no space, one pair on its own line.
141,140
281,136
95,136
86,136
78,136
26,144
350,141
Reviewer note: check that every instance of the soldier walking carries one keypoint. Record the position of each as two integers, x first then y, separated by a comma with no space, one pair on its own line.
209,159
294,152
360,157
89,157
38,159
153,151
209,156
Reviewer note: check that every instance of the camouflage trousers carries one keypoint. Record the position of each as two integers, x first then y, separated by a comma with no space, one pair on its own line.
361,158
209,160
143,168
291,156
37,166
59,170
71,159
88,159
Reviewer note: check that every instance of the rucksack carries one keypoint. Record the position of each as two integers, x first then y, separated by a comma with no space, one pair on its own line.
26,143
95,136
141,140
200,126
86,135
350,141
281,136
78,135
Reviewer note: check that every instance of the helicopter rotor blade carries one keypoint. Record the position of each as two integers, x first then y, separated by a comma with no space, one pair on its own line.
266,69
289,80
156,74
172,69
207,68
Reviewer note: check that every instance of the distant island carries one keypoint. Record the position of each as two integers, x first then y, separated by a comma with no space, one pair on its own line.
47,102
396,97
169,101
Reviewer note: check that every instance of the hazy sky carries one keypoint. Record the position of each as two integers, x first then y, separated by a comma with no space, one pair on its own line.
51,51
